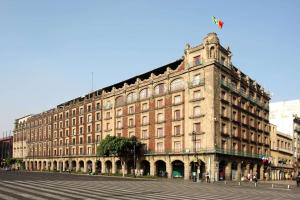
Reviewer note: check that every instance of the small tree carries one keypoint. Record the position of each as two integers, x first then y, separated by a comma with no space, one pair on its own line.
121,147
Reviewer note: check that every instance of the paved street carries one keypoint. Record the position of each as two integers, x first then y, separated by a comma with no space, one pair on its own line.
36,185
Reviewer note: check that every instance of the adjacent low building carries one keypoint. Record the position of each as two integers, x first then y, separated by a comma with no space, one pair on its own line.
282,154
199,113
285,115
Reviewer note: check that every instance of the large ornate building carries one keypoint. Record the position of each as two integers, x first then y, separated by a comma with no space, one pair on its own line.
199,112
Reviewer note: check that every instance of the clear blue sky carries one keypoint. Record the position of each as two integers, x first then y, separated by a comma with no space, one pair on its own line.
48,49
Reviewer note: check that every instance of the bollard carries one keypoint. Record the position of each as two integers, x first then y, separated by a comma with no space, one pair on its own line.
255,184
239,183
272,185
289,187
225,182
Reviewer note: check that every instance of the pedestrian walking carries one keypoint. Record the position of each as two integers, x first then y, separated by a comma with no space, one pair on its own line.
207,177
298,180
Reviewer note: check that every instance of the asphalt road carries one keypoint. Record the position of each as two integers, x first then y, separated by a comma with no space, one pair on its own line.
40,186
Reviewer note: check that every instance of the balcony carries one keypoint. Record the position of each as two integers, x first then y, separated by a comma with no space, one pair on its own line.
196,83
205,151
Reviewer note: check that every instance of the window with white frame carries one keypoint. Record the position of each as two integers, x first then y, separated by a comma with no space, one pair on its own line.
177,130
160,117
89,118
119,112
177,99
98,127
144,106
196,111
119,124
145,120
160,147
160,132
177,146
144,134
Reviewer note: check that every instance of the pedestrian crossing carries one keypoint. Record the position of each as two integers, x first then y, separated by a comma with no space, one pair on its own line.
125,190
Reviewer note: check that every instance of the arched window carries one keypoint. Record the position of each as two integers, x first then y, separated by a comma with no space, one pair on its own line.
160,89
196,111
120,101
177,84
131,97
144,93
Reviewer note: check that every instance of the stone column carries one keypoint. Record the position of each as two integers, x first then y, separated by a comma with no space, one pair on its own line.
255,170
85,166
103,166
152,168
63,166
169,168
94,165
187,170
239,170
113,166
77,166
261,172
228,171
52,166
247,170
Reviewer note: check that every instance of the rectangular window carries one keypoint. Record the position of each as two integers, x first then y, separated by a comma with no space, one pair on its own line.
144,106
177,99
98,116
145,120
144,134
196,60
89,118
197,94
89,139
131,123
177,130
160,147
97,138
119,124
80,140
131,110
197,127
98,106
160,103
160,117
160,132
177,114
177,147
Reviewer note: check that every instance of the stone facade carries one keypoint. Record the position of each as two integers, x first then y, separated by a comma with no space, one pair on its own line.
282,155
198,114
